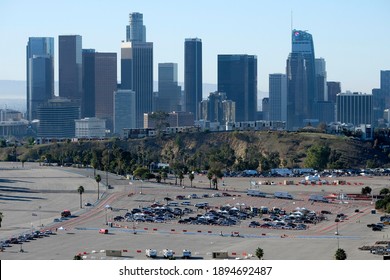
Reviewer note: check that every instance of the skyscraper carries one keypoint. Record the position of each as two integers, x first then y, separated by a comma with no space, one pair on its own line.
88,109
385,86
193,75
334,88
237,77
39,73
124,110
302,42
136,30
302,80
322,91
99,84
169,92
70,67
297,96
137,75
278,97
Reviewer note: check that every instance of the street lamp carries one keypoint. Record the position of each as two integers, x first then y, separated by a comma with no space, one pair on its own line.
337,233
39,210
107,207
107,166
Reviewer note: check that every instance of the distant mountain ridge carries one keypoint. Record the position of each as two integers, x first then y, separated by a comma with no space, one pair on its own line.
11,90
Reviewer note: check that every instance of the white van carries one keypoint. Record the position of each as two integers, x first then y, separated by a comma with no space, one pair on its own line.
151,253
167,253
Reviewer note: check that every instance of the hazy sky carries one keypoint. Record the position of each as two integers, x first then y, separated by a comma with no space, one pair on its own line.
352,36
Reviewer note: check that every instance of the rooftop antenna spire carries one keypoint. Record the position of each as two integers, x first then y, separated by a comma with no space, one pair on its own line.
292,18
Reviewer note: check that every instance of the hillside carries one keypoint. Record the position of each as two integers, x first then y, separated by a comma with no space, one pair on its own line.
231,150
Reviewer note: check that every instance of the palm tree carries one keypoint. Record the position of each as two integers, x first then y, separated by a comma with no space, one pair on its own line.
191,177
259,253
81,190
1,218
340,254
181,177
210,176
98,178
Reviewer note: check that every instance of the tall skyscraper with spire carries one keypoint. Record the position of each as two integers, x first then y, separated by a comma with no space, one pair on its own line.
302,81
137,67
39,73
193,75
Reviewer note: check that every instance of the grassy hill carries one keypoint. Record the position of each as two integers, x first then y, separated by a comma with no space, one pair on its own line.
291,148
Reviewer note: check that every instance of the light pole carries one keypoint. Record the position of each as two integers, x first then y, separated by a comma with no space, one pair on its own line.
337,233
107,166
107,207
39,210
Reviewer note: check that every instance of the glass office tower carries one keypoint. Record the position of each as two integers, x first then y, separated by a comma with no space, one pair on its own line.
137,75
136,30
70,67
169,92
40,73
237,77
302,80
193,75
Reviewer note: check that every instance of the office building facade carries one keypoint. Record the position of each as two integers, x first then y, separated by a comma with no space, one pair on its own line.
70,67
354,108
136,30
302,42
99,84
90,128
39,73
137,75
237,77
297,96
385,86
321,76
193,75
278,97
57,119
333,88
124,110
169,92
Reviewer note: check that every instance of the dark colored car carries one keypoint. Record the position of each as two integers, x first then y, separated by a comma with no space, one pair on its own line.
254,224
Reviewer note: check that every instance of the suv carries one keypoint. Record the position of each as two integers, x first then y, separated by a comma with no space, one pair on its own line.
65,213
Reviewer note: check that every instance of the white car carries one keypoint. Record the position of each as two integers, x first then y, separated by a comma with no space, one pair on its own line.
167,253
185,203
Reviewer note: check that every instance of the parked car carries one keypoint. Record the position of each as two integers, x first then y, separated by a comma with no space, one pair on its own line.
167,253
254,224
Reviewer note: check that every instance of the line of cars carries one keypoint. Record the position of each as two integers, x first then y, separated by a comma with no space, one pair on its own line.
25,237
384,220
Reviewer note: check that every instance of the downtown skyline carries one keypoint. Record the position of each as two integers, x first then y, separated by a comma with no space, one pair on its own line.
354,50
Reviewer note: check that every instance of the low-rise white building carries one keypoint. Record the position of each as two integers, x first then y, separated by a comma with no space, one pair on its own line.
90,128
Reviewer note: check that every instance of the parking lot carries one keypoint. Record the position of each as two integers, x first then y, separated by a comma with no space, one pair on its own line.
141,215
